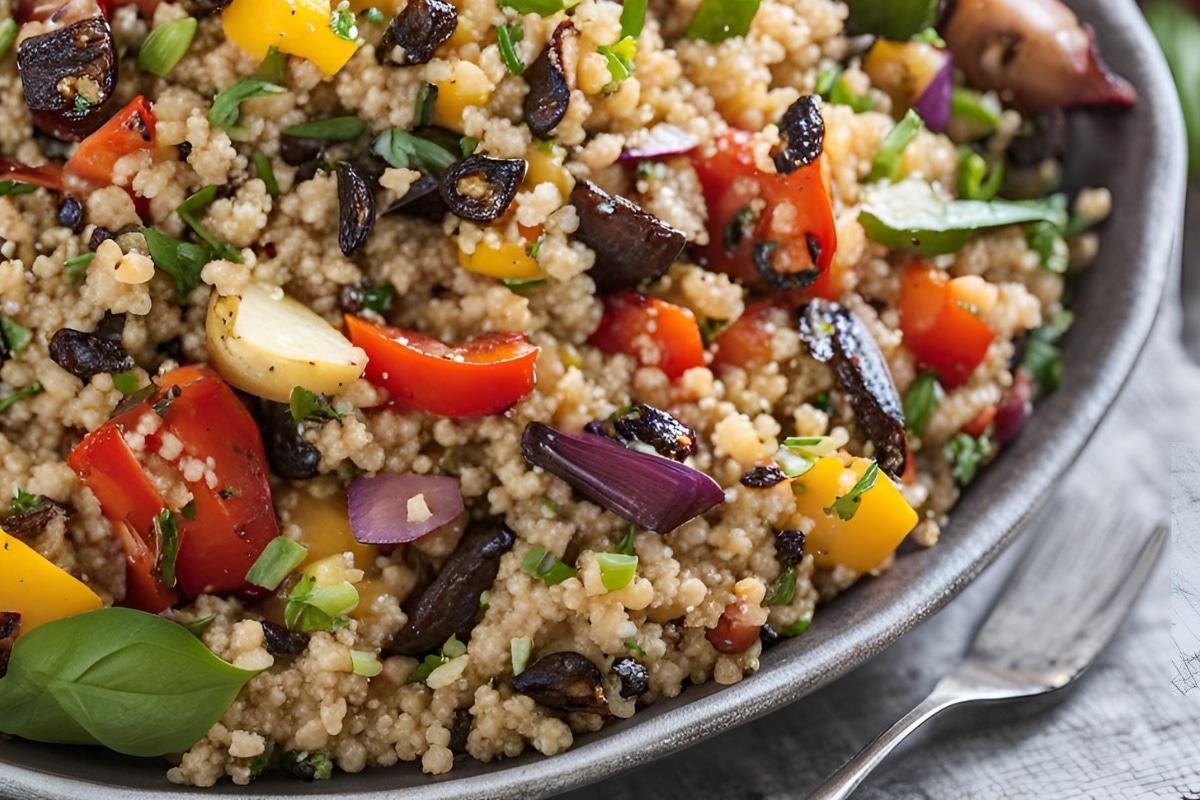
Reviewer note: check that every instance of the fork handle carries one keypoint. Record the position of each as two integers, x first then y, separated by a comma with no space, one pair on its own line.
846,780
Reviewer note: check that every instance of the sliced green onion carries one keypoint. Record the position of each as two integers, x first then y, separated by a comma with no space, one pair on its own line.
227,105
633,18
974,180
841,95
126,383
276,562
521,650
827,80
888,158
334,129
453,648
166,45
17,336
616,570
8,34
545,566
783,591
718,20
1042,357
426,102
929,36
266,174
621,61
847,505
75,268
625,546
365,663
506,39
186,212
311,607
922,398
17,397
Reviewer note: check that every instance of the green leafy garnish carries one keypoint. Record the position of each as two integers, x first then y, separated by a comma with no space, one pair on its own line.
621,61
545,8
306,766
166,45
189,510
130,681
16,336
379,298
343,23
796,628
82,104
1046,239
23,502
889,156
375,15
847,505
273,68
227,106
187,210
982,110
783,591
75,268
306,405
197,627
8,34
1178,32
616,570
276,562
426,103
545,566
262,165
467,145
12,188
17,397
319,608
521,648
966,454
625,546
718,20
633,18
922,398
631,644
126,383
974,180
452,649
182,261
404,150
929,36
166,529
798,454
892,19
1042,357
506,38
334,129
365,663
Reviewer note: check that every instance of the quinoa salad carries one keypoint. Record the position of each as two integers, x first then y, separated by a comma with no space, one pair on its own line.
415,380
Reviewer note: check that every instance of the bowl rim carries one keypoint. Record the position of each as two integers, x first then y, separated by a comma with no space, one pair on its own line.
845,636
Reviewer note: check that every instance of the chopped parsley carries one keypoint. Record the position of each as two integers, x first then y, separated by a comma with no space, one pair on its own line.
227,106
631,644
922,398
306,766
16,336
82,104
227,492
343,23
929,36
186,212
621,61
1042,356
306,405
24,502
718,20
319,608
426,103
1046,239
545,566
189,510
11,188
966,454
17,397
452,649
521,648
890,155
847,505
164,403
783,591
740,226
633,18
625,546
166,531
182,261
379,298
404,150
126,383
334,129
375,15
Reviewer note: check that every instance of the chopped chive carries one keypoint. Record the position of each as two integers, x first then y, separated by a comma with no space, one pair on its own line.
8,35
426,102
621,61
126,383
506,38
920,401
266,173
17,336
334,129
718,20
631,644
167,528
888,158
276,562
365,663
521,648
546,567
17,397
827,79
847,505
75,268
633,18
625,546
402,149
166,45
616,570
227,105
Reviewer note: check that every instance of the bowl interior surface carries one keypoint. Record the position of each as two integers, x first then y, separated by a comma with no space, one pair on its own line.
1140,156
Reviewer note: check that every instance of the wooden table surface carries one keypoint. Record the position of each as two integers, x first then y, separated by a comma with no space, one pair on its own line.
1123,731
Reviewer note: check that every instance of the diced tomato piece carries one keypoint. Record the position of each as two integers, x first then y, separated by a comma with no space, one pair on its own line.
981,421
747,342
484,375
942,332
131,129
205,439
787,219
654,332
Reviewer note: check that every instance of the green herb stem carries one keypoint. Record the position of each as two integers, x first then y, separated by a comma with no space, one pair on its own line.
334,129
890,155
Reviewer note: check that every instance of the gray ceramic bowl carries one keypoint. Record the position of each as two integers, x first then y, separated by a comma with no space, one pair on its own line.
1140,156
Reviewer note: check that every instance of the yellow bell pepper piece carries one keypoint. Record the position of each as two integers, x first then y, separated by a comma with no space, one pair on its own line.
36,588
324,525
862,542
299,27
467,86
546,166
509,260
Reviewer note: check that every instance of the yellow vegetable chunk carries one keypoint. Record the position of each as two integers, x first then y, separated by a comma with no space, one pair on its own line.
862,542
324,525
546,166
299,27
36,588
467,86
501,260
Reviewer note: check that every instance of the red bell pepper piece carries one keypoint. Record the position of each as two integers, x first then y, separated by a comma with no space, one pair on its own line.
130,129
941,331
654,332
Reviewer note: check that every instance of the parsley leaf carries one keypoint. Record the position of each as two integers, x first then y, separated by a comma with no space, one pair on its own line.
1042,357
404,150
306,405
23,502
342,22
181,260
783,591
1045,239
227,106
621,61
15,335
847,505
922,398
966,454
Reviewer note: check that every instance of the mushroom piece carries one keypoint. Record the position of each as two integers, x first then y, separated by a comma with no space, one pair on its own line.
566,681
1035,52
836,336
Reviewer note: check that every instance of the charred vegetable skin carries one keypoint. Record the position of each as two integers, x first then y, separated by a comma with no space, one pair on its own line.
69,76
549,93
566,681
1035,51
631,245
450,605
419,30
481,188
836,336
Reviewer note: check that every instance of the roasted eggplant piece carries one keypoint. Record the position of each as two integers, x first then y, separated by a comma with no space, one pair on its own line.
69,75
631,245
836,336
549,93
565,681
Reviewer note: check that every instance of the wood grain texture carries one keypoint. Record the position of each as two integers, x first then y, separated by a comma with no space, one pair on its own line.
1122,732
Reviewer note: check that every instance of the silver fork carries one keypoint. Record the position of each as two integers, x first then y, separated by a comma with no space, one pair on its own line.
1062,606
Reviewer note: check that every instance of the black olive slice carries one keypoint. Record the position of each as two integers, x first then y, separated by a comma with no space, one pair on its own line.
803,132
356,209
68,77
419,30
836,336
549,94
635,678
481,188
631,245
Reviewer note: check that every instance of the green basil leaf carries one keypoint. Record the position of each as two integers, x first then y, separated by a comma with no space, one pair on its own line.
182,261
922,398
913,215
892,19
306,405
718,20
130,681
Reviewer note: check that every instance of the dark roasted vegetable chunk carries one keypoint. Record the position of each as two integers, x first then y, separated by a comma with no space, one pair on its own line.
566,681
631,245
